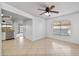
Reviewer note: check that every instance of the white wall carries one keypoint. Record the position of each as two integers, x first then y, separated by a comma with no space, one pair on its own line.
74,19
28,29
39,28
15,26
33,29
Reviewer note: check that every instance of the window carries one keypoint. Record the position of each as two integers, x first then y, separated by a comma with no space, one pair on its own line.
62,27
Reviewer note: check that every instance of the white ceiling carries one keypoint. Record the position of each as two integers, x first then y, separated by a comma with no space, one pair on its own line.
32,7
15,17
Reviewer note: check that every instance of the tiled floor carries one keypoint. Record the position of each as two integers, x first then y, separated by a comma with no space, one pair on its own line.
43,47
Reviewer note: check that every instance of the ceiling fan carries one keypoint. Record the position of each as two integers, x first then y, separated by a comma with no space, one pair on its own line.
48,10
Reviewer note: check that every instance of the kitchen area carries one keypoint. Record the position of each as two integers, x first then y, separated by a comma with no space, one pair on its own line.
7,27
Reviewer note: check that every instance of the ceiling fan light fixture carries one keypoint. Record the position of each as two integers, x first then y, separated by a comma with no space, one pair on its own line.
2,14
47,14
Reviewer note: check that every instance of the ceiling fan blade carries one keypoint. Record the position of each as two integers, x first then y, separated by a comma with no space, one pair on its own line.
42,13
52,6
55,11
41,9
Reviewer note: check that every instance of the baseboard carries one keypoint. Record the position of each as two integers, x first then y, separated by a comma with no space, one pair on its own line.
69,41
39,39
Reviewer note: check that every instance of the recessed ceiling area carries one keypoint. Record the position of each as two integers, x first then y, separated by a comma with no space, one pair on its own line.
15,17
32,7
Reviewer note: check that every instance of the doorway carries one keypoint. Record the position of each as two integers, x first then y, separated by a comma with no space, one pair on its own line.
16,31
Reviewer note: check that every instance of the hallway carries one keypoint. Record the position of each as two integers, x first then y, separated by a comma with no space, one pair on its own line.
42,47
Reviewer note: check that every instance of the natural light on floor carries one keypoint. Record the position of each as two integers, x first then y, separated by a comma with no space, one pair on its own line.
61,49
